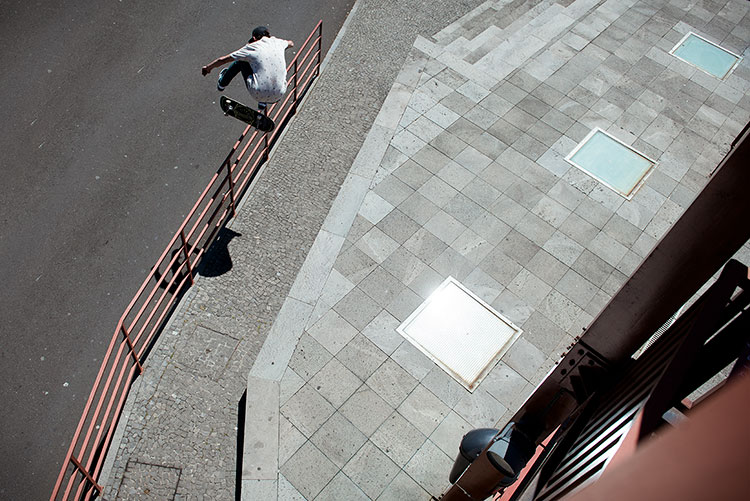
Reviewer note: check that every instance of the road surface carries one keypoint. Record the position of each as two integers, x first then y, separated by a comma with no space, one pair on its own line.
109,134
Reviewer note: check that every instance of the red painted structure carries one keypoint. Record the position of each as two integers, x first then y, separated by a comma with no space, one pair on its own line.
148,312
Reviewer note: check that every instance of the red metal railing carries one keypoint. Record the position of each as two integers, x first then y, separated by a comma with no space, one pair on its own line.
147,313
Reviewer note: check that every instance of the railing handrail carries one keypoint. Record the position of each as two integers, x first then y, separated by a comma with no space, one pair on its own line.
136,333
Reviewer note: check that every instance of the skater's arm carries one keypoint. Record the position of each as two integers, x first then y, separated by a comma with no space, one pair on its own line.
216,63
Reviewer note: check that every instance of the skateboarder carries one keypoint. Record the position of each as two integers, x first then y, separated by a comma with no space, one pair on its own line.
262,64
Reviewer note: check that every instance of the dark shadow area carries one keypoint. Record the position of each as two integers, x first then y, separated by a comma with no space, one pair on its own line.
217,260
241,406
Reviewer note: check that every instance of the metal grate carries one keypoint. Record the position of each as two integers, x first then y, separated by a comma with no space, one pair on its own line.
460,333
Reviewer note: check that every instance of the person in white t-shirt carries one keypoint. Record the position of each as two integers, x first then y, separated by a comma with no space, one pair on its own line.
262,64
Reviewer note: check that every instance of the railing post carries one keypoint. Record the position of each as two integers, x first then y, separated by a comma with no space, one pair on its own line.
86,474
231,189
187,251
132,352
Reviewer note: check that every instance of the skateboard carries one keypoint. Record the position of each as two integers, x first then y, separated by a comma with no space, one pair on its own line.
248,115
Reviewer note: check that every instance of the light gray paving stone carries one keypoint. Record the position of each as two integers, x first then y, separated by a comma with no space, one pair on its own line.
428,467
500,266
447,436
505,384
404,304
426,282
398,439
529,288
398,226
607,248
436,191
444,386
423,410
518,247
341,487
490,228
357,308
413,174
418,207
332,332
463,209
290,439
498,177
381,331
371,470
483,285
445,227
480,409
309,357
338,439
404,487
251,489
545,266
561,310
366,410
307,410
336,287
412,360
361,356
309,471
289,385
455,175
260,460
381,286
391,382
576,288
354,265
524,358
377,245
393,191
579,229
472,247
335,382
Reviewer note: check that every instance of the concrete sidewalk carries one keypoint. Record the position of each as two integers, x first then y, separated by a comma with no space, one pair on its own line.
453,165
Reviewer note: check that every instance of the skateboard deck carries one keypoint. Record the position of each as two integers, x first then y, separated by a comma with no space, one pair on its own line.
246,114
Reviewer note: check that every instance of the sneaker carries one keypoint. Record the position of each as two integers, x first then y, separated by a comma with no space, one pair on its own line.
218,83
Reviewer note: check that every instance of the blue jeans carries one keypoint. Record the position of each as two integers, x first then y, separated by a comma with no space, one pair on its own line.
233,69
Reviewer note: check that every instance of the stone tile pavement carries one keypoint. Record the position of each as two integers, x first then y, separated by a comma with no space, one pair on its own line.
463,174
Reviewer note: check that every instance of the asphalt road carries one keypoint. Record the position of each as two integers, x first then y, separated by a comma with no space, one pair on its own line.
109,133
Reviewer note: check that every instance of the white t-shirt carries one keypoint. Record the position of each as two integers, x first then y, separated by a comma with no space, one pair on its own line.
266,57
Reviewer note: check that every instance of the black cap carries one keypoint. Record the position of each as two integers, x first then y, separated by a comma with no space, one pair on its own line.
260,32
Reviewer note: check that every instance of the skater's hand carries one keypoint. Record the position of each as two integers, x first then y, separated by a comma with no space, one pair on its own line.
205,70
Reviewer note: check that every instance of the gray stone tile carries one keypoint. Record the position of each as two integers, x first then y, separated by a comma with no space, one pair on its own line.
500,266
428,467
309,357
483,285
392,382
354,264
445,227
561,310
426,282
377,245
309,470
290,440
490,228
447,144
290,383
436,191
418,208
529,146
366,410
381,286
455,175
338,439
480,409
423,410
594,212
505,131
481,192
341,488
404,304
529,288
444,386
505,384
576,288
607,248
404,487
412,174
307,410
525,194
371,470
545,266
579,229
447,436
361,356
332,332
357,308
382,332
518,247
425,245
335,382
524,358
471,246
398,226
465,130
398,439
